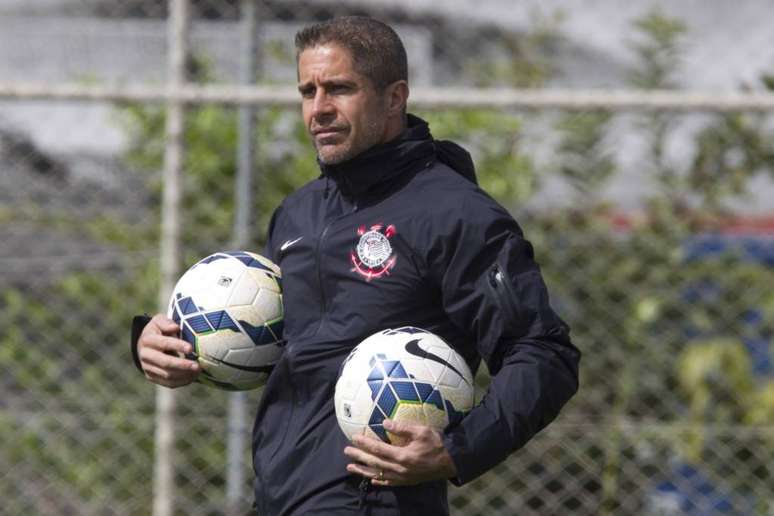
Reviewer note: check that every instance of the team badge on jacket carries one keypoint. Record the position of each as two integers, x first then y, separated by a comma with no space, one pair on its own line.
373,256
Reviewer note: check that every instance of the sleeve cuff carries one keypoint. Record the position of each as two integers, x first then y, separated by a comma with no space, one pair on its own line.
464,460
138,324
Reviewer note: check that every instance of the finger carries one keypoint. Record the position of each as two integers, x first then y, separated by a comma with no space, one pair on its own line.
363,471
165,324
402,428
378,477
166,344
167,379
372,461
166,373
377,447
374,474
385,482
161,360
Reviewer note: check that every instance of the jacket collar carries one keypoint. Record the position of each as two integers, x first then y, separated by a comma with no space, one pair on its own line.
413,149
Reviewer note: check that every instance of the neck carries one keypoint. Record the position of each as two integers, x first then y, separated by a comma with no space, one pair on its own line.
407,150
395,127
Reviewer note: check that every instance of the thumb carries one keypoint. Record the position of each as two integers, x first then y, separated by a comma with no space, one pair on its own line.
402,428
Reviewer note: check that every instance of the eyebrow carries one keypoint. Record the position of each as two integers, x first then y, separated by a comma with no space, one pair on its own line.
328,83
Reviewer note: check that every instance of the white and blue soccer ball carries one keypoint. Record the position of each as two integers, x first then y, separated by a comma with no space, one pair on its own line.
229,308
404,374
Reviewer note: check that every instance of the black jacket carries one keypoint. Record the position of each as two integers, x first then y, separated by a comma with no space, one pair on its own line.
442,256
457,265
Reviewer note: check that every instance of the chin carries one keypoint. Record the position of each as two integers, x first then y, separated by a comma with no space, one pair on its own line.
334,157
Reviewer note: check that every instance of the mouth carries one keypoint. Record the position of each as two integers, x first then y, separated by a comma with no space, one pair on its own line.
326,130
329,133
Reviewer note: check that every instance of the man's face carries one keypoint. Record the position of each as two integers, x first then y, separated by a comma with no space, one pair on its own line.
342,110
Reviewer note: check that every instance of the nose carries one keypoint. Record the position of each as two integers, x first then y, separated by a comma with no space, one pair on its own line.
322,107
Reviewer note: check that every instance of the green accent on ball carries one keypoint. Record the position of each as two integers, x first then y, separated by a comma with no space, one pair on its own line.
403,402
207,333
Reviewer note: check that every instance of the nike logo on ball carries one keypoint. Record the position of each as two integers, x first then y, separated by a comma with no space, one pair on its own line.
288,243
412,348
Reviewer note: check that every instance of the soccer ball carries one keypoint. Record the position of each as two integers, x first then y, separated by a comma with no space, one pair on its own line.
229,307
405,374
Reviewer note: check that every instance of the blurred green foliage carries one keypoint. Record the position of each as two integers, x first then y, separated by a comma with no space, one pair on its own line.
522,60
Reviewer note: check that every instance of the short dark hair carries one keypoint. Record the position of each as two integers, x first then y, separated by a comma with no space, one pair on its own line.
377,51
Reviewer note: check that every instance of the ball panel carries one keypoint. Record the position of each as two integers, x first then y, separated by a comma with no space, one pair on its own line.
268,304
264,280
387,401
260,335
416,368
277,328
461,398
188,335
246,314
434,370
456,360
405,391
376,432
434,416
220,320
244,356
216,345
351,430
450,378
266,262
410,412
244,291
210,285
199,324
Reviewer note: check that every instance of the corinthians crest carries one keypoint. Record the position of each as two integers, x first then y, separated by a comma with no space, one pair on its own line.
373,256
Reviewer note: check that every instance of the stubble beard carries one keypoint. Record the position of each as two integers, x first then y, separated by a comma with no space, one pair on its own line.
349,149
333,155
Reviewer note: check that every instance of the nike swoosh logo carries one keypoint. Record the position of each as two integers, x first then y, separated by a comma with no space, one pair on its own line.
288,243
412,348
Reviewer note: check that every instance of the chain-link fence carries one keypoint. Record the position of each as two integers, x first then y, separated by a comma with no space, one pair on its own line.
632,143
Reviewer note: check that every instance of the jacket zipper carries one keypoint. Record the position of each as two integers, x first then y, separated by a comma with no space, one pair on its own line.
318,257
365,487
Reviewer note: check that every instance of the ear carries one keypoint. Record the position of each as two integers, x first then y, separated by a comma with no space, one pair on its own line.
397,95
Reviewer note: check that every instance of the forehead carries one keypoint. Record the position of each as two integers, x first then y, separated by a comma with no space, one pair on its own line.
326,61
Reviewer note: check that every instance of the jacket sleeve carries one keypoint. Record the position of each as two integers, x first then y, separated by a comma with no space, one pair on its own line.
492,289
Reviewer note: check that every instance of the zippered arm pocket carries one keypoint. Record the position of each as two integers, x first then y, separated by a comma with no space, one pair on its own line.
514,260
516,287
503,292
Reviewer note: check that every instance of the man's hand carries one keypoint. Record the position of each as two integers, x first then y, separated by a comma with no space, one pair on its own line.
422,456
161,354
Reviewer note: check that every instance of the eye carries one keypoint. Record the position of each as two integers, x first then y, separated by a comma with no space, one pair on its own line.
307,92
340,89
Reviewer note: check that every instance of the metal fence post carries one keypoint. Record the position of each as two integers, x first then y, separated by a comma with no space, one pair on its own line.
237,410
177,34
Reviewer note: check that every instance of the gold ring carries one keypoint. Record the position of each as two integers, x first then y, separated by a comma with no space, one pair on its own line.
381,474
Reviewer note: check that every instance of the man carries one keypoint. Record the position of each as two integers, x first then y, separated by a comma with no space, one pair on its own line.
449,260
